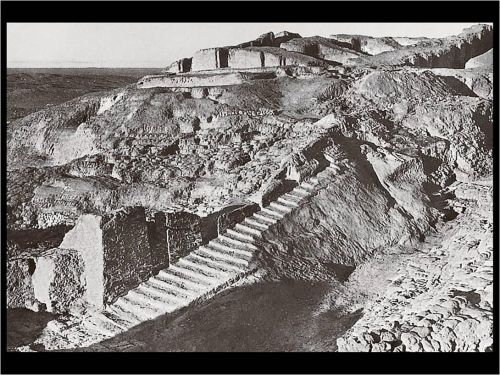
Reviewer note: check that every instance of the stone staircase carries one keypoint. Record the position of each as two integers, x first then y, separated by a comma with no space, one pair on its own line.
201,274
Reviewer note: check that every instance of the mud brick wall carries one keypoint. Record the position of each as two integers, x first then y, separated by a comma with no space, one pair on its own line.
211,58
127,254
183,234
242,58
100,259
230,219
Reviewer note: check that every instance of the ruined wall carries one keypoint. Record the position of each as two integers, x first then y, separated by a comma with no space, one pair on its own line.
127,255
58,281
101,259
183,234
211,58
95,165
452,52
270,39
244,58
179,66
86,239
191,80
231,218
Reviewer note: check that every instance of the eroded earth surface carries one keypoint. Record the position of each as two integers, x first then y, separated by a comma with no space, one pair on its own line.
377,151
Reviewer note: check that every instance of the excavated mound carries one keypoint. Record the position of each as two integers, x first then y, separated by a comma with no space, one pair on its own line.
323,48
451,52
399,153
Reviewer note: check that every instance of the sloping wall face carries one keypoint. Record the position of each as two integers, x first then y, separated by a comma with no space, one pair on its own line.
211,58
242,58
272,59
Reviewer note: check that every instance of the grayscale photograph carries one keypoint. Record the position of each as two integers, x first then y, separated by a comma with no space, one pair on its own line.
249,187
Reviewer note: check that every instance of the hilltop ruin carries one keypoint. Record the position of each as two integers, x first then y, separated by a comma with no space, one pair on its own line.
281,158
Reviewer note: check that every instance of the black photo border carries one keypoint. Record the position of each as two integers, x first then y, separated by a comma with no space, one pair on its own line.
222,11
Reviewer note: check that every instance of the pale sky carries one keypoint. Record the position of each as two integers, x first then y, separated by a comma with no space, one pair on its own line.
158,44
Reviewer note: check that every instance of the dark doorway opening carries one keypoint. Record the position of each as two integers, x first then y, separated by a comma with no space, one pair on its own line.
223,57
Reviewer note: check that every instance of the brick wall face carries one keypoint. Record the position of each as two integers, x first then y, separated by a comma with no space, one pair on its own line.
183,234
127,253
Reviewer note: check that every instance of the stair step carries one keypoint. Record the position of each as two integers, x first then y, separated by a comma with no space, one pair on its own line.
210,280
138,306
223,256
117,319
280,207
263,217
207,270
182,282
293,197
230,248
125,313
233,241
215,263
256,223
162,290
237,234
247,229
101,324
184,273
288,202
156,304
276,214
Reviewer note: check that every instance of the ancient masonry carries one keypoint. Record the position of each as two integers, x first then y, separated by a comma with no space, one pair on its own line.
202,273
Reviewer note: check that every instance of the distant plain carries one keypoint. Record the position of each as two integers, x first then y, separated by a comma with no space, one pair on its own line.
32,89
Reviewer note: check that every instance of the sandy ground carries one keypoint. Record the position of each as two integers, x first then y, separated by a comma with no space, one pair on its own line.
284,316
